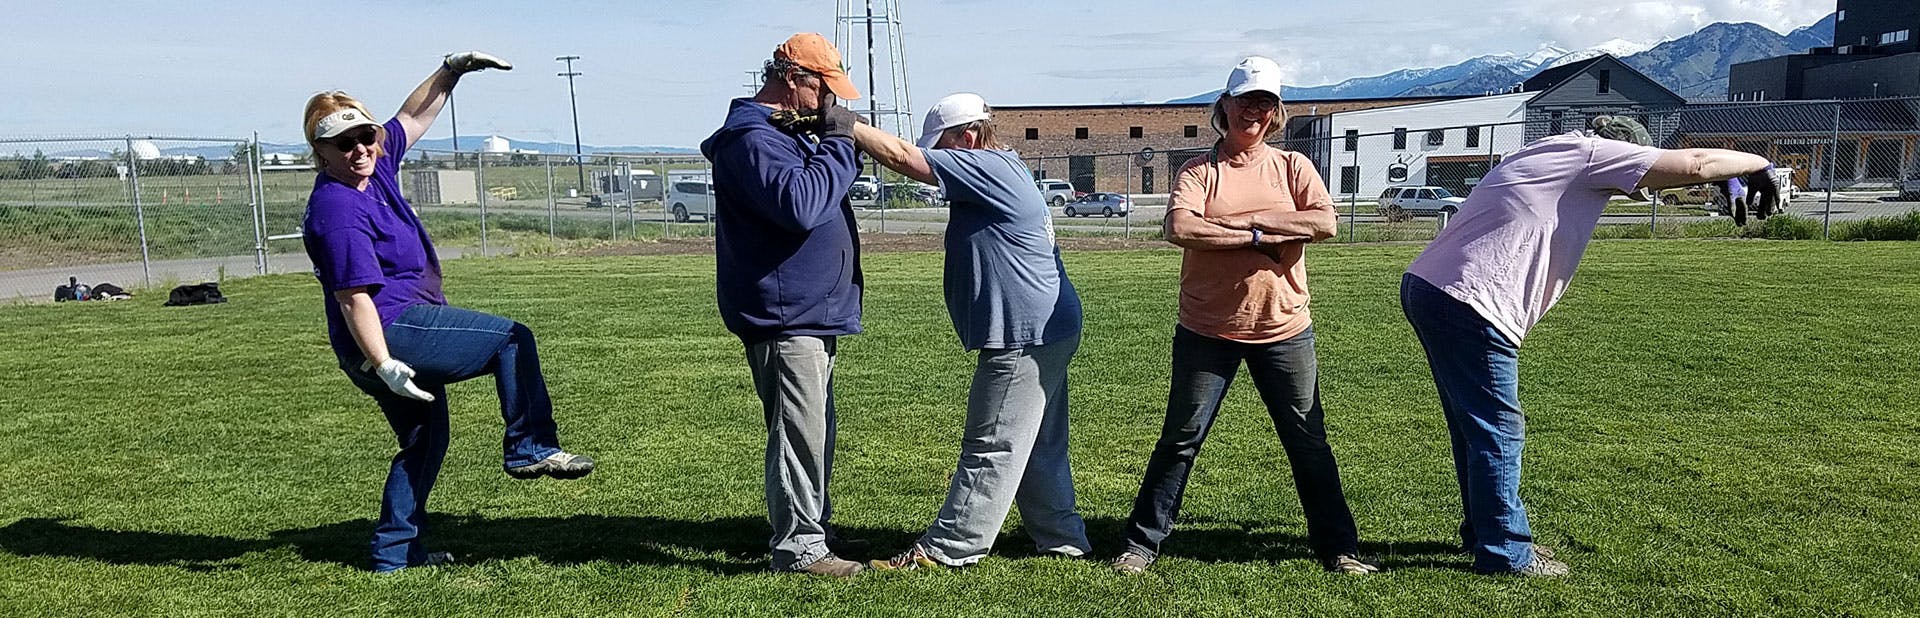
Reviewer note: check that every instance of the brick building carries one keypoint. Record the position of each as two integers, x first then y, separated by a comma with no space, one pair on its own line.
1100,147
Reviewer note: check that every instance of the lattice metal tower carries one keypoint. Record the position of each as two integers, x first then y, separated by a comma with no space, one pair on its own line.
887,105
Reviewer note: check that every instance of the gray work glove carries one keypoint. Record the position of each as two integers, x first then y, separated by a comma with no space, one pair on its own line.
399,379
838,121
470,61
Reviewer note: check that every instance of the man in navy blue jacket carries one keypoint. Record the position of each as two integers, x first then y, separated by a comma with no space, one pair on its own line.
789,276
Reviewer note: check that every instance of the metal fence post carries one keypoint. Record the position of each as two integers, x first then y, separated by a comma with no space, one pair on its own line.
480,178
626,174
613,210
1353,199
255,195
1833,177
139,212
551,202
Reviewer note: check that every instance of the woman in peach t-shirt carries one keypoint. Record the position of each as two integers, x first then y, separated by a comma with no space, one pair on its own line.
1244,213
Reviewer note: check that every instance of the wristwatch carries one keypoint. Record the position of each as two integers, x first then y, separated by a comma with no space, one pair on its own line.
1256,237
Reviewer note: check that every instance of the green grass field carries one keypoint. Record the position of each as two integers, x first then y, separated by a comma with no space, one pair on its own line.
1718,428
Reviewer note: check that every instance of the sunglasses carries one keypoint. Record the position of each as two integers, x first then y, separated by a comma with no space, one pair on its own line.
1257,102
346,142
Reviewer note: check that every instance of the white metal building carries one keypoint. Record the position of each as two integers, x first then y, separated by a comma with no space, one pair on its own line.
1443,143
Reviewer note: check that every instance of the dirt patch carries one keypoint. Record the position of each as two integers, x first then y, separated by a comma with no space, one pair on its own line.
869,243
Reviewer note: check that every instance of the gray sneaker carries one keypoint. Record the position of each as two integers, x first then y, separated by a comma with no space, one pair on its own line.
1543,565
561,465
1349,564
832,565
1131,563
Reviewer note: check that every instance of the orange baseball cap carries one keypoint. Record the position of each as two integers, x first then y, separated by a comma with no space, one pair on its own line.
813,52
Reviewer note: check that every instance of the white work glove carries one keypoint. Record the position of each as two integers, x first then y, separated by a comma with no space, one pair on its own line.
470,61
399,379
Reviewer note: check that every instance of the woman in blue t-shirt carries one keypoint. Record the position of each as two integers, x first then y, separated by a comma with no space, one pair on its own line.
388,322
1010,298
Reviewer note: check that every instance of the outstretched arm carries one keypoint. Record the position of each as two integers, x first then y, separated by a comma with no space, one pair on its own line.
423,106
894,153
1691,166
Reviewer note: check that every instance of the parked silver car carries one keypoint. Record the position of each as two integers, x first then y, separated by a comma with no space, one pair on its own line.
1103,204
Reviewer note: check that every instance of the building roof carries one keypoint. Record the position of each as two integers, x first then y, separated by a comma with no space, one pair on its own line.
1552,79
1869,116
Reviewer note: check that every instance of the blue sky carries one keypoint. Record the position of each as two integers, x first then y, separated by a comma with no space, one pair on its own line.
660,72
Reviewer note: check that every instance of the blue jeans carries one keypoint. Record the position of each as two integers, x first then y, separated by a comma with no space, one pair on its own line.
1476,369
1287,374
1014,452
445,345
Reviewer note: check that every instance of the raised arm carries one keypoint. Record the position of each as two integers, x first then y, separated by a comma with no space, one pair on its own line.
894,153
420,109
1691,166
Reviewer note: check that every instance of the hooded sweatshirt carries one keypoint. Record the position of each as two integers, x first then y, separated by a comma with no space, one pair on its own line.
788,249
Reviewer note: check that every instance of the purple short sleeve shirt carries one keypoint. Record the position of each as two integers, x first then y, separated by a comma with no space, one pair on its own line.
371,239
1512,250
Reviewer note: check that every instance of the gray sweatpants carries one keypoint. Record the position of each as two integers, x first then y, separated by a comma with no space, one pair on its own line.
1014,451
794,378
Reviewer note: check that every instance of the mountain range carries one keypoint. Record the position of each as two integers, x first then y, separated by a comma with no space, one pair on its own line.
1695,66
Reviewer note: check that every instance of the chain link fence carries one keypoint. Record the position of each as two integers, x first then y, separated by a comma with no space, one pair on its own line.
1849,169
496,203
136,212
150,212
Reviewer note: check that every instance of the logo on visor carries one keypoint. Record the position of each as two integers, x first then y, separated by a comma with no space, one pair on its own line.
349,117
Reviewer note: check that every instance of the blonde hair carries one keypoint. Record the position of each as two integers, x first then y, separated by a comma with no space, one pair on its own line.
325,104
983,131
1219,116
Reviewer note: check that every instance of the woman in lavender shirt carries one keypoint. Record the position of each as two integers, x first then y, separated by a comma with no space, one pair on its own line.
1495,270
388,322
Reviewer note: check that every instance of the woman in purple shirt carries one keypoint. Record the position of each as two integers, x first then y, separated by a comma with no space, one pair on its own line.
390,326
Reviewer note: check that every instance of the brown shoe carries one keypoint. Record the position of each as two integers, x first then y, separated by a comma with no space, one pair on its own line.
832,565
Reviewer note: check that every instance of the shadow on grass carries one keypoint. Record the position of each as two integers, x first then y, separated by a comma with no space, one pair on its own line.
725,546
1207,540
740,542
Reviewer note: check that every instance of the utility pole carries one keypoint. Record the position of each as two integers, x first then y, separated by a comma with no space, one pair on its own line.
577,163
453,114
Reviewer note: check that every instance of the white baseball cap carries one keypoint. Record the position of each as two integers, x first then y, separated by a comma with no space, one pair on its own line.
340,122
1254,74
956,109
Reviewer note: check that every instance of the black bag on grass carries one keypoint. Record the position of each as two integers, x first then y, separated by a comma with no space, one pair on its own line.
199,294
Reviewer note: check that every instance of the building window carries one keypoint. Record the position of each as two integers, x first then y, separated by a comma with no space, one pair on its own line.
1133,132
1553,123
1033,133
1606,80
1473,137
1353,140
1897,36
1350,179
1080,133
1400,138
1436,137
1193,130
